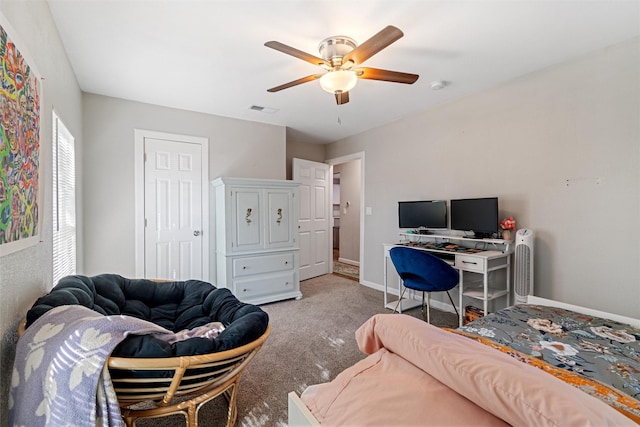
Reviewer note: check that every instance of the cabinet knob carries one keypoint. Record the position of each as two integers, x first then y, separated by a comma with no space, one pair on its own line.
244,267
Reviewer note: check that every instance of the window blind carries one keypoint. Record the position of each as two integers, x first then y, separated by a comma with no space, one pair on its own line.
64,201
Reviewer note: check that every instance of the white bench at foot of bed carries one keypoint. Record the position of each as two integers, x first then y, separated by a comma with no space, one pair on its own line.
299,414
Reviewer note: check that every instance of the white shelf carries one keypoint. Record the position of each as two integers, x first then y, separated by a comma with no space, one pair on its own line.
477,292
406,304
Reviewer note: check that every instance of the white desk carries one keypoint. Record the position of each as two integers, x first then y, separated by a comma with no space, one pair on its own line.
481,263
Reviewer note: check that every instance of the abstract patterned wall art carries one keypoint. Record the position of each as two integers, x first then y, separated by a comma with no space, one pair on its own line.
20,187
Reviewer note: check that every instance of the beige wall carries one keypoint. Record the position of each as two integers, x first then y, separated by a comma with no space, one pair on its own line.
26,275
349,215
303,150
236,148
522,141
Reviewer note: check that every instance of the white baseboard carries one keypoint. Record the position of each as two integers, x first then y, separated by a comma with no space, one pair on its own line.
373,285
585,310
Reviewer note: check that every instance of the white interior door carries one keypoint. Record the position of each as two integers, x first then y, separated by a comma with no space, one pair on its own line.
173,210
314,222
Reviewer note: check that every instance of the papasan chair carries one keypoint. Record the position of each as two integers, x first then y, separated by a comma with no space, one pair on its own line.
213,338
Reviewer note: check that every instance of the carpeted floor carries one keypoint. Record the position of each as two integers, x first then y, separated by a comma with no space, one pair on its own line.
312,340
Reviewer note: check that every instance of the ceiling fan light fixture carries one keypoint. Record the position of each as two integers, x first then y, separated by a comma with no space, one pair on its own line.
340,56
338,80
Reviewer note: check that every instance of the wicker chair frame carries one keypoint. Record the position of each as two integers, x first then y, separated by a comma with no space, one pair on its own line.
185,385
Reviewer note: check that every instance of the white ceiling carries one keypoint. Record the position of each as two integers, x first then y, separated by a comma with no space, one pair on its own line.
209,55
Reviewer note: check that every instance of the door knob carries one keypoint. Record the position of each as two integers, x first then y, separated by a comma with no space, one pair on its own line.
196,233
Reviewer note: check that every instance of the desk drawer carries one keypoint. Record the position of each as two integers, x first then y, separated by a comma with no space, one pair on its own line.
262,264
469,263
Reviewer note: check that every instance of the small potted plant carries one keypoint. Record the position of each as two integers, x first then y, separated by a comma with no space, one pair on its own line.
507,225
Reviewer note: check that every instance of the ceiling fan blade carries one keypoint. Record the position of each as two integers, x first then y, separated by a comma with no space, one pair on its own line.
386,75
296,82
297,53
342,97
374,45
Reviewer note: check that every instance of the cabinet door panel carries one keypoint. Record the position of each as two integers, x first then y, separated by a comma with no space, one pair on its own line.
279,224
246,217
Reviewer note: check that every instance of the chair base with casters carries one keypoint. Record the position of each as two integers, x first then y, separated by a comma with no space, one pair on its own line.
424,272
426,315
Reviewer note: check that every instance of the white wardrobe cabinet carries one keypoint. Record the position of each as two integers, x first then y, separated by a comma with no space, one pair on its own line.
256,238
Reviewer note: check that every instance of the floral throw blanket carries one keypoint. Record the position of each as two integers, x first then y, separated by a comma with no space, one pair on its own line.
599,356
60,375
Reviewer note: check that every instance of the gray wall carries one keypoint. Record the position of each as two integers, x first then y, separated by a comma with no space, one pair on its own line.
522,141
26,275
236,148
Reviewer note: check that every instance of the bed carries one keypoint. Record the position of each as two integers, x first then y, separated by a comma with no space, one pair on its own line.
542,363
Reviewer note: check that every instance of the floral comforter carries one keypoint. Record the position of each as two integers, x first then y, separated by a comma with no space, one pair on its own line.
599,356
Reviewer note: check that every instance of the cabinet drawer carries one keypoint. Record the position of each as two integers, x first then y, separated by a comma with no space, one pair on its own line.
262,264
469,263
258,286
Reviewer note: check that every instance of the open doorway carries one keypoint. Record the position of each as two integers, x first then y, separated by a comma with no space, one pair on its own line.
347,208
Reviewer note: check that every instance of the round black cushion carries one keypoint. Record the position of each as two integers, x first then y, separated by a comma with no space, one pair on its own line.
173,305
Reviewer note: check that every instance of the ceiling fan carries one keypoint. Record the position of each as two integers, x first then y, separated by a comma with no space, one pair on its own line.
340,55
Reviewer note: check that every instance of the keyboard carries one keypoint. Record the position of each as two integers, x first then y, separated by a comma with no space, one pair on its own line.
448,257
445,255
443,246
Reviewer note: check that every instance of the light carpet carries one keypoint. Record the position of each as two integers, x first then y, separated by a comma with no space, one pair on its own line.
312,340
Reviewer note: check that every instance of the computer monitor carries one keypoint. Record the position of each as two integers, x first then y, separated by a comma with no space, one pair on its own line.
422,214
479,216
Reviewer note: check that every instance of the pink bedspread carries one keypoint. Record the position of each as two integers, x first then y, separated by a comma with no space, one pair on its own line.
418,374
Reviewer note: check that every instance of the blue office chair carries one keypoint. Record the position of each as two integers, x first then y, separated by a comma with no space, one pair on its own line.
422,271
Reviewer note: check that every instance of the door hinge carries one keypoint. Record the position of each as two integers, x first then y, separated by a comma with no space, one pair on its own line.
145,222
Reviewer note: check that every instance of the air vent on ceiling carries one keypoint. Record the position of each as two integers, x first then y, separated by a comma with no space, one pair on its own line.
262,109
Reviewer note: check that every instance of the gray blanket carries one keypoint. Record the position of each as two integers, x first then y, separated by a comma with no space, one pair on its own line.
60,376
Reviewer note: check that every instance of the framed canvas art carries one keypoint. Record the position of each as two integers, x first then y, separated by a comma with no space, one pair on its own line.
20,176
